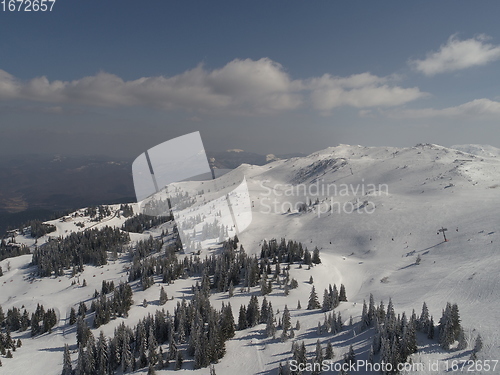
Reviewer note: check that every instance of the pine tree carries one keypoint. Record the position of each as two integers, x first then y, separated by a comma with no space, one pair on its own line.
329,351
350,357
270,327
89,356
67,367
430,333
126,354
462,342
423,322
365,320
327,301
163,296
478,345
72,316
102,355
82,332
448,331
297,325
318,359
80,366
286,322
227,322
152,345
242,318
313,300
253,312
342,295
371,310
315,257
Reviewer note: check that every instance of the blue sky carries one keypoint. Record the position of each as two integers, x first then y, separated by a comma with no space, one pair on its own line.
118,77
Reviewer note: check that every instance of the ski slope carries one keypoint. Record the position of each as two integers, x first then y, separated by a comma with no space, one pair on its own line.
411,193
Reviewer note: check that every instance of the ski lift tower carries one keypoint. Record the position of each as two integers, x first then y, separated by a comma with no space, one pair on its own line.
443,230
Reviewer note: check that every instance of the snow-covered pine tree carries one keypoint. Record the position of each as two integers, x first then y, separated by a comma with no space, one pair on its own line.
67,367
430,332
163,296
327,301
242,318
102,355
315,257
423,321
318,359
72,316
329,354
286,322
313,300
264,311
253,312
342,294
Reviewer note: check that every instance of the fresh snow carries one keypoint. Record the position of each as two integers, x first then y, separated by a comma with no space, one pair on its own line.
429,186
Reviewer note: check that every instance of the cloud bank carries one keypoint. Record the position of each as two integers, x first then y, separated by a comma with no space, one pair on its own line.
478,109
249,86
456,55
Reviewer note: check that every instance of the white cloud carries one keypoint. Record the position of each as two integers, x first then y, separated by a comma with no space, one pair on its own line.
249,86
359,91
478,108
458,54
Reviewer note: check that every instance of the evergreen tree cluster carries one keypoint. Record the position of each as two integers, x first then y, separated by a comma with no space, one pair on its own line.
41,321
79,248
450,329
288,252
157,207
38,229
299,354
145,248
333,324
252,314
168,266
12,249
109,308
331,298
105,308
395,336
97,213
7,344
141,222
196,326
126,210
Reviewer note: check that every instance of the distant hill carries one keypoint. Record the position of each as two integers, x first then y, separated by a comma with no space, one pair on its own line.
42,186
479,150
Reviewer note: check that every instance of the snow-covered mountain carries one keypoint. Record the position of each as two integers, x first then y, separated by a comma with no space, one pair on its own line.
479,150
373,212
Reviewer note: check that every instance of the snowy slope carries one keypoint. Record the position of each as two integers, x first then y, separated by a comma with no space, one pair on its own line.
479,150
410,194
